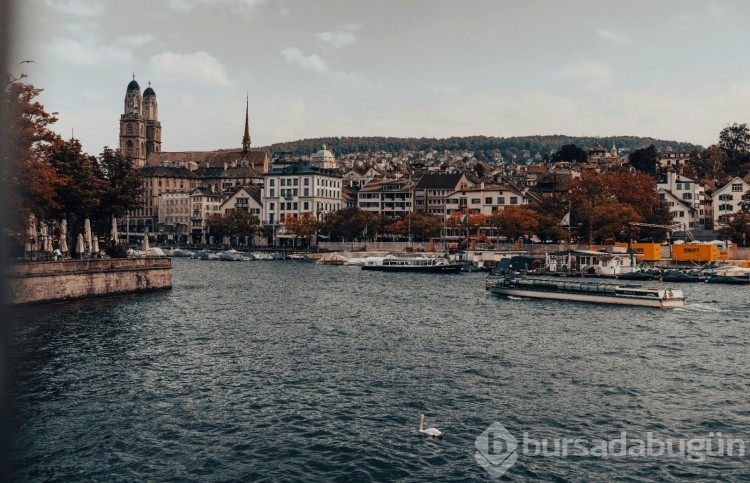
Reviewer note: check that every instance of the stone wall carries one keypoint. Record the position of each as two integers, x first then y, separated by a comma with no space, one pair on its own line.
39,282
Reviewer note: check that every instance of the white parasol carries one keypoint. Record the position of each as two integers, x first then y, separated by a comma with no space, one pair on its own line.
80,247
87,234
114,230
95,246
32,233
64,236
145,245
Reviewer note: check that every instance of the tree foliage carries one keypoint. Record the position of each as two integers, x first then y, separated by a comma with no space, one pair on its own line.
305,226
238,223
417,226
735,141
645,160
570,153
515,222
351,224
31,179
629,189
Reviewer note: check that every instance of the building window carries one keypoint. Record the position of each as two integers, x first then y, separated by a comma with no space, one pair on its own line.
271,192
687,196
737,187
271,182
513,200
475,201
488,200
283,182
501,200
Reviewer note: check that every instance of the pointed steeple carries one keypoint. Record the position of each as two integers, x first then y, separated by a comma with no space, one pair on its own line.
246,137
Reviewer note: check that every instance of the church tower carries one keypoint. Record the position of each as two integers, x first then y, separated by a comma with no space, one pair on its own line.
153,126
133,125
140,129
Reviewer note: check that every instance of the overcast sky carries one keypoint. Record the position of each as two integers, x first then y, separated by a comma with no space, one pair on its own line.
671,69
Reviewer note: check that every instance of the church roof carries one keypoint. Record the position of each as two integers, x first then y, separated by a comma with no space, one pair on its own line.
167,172
207,158
439,181
133,86
149,92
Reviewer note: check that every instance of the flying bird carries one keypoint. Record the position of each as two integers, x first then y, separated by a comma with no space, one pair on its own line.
27,62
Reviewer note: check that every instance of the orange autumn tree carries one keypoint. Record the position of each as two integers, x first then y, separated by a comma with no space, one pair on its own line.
32,181
630,189
473,221
515,222
304,226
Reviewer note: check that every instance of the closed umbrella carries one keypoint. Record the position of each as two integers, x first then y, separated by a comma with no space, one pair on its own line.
64,236
145,245
80,247
87,233
32,233
114,230
95,246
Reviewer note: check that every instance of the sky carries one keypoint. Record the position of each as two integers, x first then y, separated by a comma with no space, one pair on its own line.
671,69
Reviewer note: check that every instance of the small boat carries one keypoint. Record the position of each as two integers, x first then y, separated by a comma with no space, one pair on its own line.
423,263
230,255
206,255
592,292
730,279
635,276
678,276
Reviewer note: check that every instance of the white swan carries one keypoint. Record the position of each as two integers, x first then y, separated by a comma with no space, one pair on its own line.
429,431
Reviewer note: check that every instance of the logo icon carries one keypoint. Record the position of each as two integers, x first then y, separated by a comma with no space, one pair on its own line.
496,450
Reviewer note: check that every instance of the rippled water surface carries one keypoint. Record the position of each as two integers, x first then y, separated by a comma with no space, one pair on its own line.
286,371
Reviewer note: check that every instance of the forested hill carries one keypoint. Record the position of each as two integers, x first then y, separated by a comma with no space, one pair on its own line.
480,145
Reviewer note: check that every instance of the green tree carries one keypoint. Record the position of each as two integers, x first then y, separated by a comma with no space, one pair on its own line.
351,224
645,160
80,195
709,163
239,224
735,141
123,184
570,153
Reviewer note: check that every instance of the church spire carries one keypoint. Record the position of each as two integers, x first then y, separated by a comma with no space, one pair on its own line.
246,137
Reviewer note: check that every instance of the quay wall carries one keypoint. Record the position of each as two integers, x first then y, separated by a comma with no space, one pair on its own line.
41,282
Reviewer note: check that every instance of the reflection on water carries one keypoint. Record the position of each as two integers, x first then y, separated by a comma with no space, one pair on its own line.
291,371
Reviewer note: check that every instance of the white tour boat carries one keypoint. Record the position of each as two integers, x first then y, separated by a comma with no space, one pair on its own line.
602,293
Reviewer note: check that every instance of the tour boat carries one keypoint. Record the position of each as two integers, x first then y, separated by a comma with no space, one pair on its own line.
411,264
587,292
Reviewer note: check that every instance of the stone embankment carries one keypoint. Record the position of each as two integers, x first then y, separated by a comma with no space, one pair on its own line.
40,282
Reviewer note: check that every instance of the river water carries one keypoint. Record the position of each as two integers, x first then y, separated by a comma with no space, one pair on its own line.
289,371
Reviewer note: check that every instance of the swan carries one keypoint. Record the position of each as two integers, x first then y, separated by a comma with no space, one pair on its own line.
429,431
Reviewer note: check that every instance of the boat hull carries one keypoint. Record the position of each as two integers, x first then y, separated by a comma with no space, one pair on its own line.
450,268
598,293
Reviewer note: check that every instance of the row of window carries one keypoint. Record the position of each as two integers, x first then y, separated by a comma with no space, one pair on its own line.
477,201
325,182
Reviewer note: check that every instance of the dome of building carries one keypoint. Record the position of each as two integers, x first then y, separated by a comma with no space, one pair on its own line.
133,86
324,153
149,92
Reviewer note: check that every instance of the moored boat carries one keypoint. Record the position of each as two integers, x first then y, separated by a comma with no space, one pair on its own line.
730,279
411,264
592,292
635,276
679,276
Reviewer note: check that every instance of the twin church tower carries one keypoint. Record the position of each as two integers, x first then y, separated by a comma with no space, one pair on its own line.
140,129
